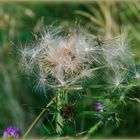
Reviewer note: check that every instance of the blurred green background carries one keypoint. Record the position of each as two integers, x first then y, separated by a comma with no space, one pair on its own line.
19,22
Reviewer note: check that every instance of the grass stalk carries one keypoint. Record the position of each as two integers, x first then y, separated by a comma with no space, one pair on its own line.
37,118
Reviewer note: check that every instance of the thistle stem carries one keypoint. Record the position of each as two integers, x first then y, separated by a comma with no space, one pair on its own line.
61,101
37,118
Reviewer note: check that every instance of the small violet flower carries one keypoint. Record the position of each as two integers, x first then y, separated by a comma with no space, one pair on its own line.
11,132
99,107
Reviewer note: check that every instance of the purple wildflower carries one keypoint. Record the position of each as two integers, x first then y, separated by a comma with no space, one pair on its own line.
99,107
11,132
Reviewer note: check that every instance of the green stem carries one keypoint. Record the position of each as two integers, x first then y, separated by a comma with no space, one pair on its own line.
94,128
37,118
61,101
125,86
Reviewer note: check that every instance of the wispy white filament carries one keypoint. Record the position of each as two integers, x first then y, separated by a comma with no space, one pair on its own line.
61,60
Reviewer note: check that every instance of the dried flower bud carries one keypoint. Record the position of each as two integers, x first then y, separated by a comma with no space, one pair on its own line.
68,112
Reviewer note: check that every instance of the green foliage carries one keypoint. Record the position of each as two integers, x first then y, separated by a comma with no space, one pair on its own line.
20,103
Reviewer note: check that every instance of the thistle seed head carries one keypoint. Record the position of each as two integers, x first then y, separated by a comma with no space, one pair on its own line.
63,60
59,58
